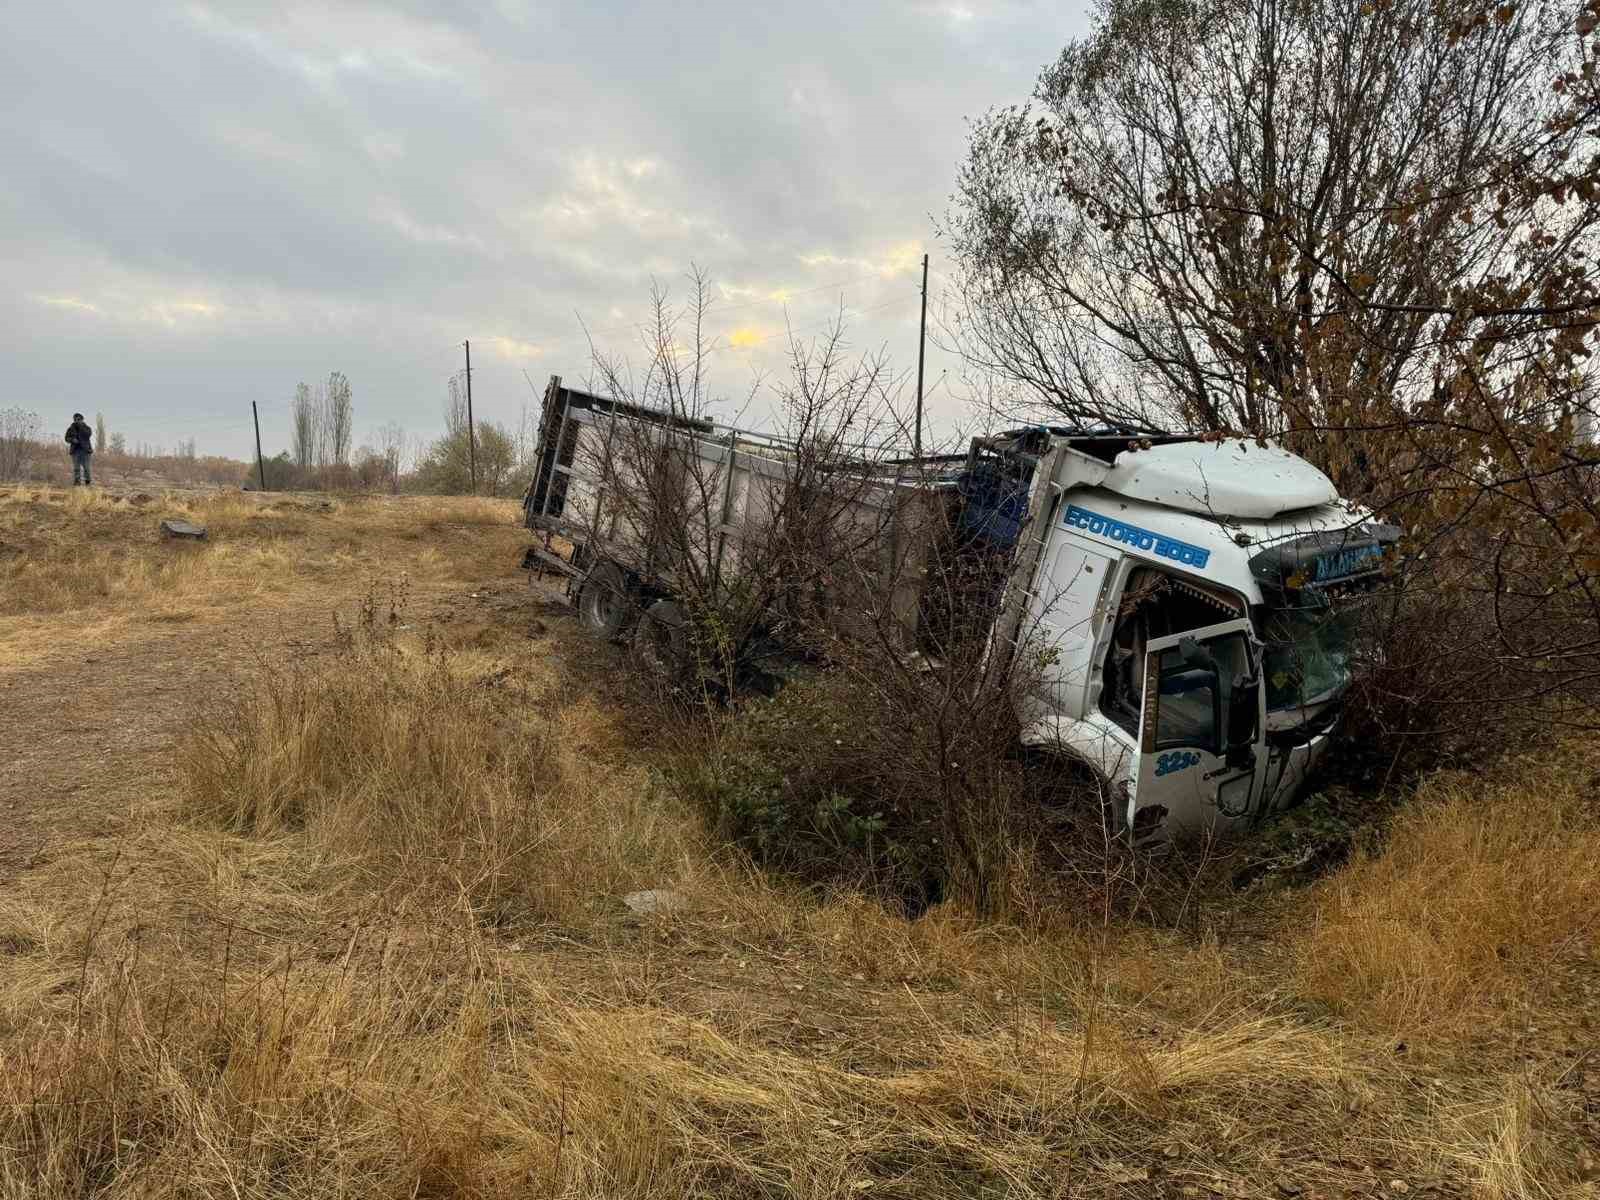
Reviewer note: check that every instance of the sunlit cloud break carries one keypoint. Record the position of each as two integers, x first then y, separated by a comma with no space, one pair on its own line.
514,349
900,259
71,303
161,312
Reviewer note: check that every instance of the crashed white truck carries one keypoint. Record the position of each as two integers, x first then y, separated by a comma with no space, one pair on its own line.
1195,596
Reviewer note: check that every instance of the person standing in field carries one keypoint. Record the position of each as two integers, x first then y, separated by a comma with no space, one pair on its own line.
80,444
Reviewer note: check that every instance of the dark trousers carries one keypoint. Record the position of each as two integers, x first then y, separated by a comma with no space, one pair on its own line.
80,467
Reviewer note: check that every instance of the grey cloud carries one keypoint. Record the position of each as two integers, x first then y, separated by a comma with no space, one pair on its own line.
203,203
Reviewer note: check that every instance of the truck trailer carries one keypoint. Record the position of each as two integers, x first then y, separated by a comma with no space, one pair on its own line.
1193,599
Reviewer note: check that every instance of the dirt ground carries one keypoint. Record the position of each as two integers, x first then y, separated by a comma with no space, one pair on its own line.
91,711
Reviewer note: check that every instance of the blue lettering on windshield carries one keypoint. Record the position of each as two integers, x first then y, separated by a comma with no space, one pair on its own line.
1139,539
1339,563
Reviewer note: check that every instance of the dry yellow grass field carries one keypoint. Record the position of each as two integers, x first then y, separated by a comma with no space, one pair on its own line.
354,928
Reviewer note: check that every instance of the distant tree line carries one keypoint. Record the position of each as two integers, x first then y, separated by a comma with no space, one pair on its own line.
30,453
322,452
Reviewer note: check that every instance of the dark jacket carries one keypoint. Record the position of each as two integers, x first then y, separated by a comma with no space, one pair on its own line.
80,438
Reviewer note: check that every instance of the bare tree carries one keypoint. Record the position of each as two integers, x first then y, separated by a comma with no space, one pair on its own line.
1253,214
100,431
711,596
455,408
321,443
523,444
445,465
339,420
1369,230
391,438
303,428
19,437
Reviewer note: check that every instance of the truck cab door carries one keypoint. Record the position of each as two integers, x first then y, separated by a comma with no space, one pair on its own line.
1062,603
1202,756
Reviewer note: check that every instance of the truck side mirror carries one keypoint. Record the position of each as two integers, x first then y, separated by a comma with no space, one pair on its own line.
1243,755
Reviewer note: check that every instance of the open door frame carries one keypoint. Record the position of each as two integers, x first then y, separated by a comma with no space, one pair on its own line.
1191,786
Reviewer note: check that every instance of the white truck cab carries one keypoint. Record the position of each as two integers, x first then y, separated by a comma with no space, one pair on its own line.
1192,602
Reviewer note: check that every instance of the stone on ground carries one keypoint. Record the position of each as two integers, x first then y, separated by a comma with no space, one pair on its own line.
655,900
181,529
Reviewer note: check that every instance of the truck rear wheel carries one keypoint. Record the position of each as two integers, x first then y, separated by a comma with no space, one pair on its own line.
605,602
661,642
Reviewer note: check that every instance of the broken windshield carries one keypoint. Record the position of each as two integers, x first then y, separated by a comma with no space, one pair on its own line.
1308,651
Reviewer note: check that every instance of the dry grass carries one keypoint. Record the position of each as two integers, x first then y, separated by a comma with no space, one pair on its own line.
1483,891
375,947
437,780
98,558
50,466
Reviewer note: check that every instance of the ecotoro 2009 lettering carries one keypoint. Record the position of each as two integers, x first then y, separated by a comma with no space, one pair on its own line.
1140,539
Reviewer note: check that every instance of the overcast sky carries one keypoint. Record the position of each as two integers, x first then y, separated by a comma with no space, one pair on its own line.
201,204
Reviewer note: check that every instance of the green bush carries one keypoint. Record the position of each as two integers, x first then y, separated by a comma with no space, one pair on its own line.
802,783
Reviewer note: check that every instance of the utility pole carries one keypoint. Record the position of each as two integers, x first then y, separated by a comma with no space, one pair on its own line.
472,433
922,343
261,467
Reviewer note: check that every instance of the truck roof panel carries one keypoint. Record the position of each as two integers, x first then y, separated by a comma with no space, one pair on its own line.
1233,478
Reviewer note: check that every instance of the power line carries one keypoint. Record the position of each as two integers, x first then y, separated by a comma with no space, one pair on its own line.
219,421
209,421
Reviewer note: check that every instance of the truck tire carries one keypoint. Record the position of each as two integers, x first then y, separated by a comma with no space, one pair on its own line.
605,602
661,641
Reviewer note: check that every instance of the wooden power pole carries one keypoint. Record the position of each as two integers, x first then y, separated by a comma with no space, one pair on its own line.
261,467
472,432
922,343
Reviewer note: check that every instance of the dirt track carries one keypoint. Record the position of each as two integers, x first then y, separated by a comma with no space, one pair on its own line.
90,711
89,734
